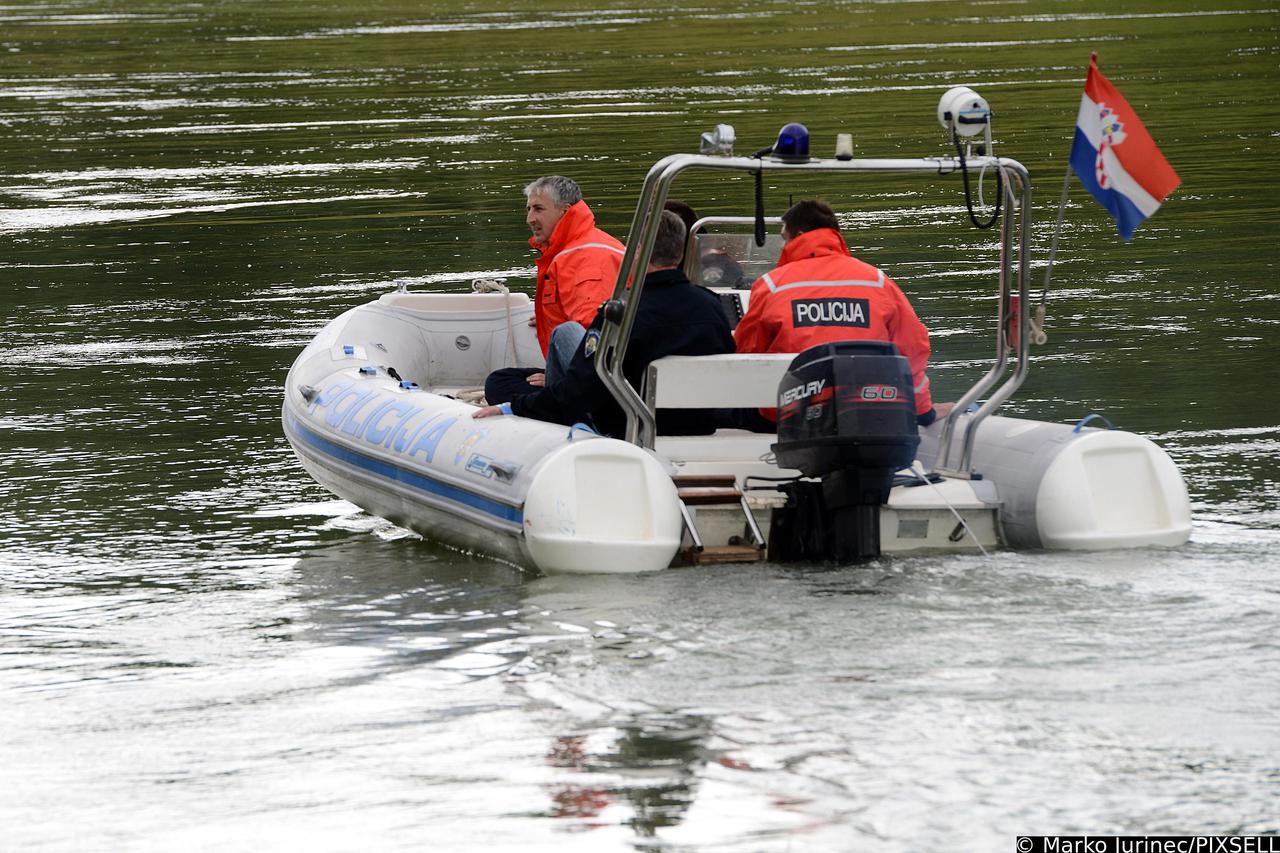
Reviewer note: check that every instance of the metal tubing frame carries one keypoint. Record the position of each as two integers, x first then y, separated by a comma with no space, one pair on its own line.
1014,175
614,335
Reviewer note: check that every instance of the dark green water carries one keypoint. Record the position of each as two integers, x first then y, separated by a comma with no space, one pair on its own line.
199,647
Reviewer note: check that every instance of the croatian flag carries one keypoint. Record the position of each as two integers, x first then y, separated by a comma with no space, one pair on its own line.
1115,158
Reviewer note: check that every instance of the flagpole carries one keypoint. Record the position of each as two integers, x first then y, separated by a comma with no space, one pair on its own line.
1037,323
1057,229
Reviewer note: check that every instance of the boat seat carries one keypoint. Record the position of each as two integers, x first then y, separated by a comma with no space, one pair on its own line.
454,303
724,445
731,381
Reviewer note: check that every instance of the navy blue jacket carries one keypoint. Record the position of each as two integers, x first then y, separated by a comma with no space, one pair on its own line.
674,317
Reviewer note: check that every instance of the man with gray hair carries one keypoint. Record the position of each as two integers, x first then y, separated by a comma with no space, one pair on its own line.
577,269
674,317
578,263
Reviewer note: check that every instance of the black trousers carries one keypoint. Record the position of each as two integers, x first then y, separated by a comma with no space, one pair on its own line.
508,382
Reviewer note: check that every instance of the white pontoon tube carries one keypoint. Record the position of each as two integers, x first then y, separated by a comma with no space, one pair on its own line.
526,491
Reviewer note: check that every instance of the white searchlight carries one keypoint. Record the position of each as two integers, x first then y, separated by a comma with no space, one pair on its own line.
964,112
718,141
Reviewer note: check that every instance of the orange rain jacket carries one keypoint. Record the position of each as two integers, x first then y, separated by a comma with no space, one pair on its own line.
576,272
819,293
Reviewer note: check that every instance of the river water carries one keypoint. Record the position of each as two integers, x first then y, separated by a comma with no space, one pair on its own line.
201,649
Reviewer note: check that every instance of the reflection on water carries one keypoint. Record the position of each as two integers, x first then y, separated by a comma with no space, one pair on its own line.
460,619
646,767
197,642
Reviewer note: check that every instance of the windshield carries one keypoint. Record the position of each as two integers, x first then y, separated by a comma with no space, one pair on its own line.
732,260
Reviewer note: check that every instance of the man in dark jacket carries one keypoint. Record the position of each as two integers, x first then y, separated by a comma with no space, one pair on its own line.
674,317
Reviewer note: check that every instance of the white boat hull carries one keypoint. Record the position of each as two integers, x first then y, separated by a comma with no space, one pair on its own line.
539,495
556,499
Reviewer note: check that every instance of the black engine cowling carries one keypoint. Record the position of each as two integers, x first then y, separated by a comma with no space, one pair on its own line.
846,415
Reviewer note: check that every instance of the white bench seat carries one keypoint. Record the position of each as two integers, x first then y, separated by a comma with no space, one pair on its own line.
733,381
728,451
725,445
736,380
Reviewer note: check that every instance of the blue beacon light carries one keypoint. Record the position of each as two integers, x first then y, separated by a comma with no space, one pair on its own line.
793,143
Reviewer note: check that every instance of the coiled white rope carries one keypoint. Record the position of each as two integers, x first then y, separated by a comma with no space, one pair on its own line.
495,285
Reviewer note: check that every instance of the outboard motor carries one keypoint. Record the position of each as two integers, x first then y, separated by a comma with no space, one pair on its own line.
846,416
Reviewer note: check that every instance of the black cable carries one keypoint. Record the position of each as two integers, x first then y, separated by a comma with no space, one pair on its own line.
760,233
968,193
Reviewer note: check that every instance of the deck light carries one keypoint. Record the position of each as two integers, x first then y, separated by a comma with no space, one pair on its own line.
718,141
844,146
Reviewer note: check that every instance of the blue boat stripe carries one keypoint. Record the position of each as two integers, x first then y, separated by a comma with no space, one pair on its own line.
456,494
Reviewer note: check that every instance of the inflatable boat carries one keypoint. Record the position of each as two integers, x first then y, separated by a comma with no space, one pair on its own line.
378,409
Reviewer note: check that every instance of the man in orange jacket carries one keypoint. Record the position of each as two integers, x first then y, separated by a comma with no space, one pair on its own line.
819,293
577,269
578,265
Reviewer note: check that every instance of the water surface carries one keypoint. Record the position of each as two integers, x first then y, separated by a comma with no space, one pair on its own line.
201,648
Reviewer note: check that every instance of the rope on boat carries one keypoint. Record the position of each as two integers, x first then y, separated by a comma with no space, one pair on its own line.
1093,416
495,285
917,468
